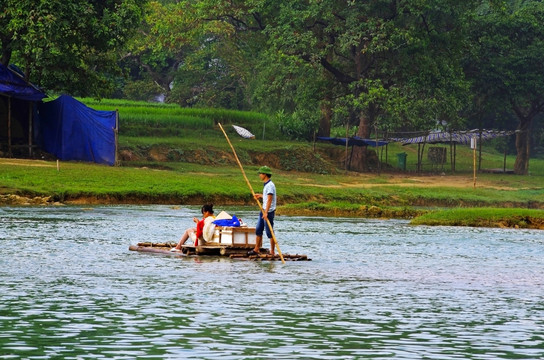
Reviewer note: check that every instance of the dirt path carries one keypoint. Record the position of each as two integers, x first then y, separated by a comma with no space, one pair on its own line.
25,162
424,181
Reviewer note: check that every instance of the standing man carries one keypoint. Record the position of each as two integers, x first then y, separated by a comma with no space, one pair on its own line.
269,210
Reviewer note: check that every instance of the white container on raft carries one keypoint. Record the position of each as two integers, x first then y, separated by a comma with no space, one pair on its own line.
235,236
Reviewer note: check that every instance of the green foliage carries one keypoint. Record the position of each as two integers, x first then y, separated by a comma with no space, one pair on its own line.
299,125
292,90
68,46
143,90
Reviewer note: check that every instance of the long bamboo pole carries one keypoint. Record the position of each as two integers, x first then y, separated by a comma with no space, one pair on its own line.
253,193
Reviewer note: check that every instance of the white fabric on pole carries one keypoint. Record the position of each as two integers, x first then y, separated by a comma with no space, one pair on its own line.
243,132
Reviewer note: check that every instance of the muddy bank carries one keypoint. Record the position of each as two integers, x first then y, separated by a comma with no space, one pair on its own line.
364,211
17,200
374,208
511,222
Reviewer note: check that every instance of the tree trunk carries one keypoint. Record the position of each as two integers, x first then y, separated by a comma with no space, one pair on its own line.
325,119
5,56
359,159
523,148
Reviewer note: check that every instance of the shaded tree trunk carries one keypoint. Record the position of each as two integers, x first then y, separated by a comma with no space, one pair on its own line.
5,56
360,156
523,148
325,120
525,116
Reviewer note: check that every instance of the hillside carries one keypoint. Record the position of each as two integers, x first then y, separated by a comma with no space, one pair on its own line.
154,134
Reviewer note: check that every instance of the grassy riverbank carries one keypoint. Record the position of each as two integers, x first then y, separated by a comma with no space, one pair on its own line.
193,183
356,195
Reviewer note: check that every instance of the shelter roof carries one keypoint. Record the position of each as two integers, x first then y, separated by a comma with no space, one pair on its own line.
459,137
355,140
12,84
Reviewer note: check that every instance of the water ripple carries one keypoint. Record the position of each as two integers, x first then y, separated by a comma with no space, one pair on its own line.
70,289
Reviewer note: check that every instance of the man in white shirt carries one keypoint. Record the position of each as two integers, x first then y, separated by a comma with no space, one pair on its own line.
269,210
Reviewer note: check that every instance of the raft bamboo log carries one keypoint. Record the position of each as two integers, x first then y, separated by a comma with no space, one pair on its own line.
235,253
253,193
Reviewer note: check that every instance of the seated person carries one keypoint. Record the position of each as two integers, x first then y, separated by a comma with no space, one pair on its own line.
195,233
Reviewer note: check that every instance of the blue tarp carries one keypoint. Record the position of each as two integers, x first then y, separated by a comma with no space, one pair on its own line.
70,130
234,222
353,141
13,85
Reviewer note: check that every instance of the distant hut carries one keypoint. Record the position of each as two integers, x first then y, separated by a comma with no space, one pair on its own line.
18,99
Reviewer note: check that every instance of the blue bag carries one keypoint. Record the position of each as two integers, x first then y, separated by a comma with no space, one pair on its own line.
234,222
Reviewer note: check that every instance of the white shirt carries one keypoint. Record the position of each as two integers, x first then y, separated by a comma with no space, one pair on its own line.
269,189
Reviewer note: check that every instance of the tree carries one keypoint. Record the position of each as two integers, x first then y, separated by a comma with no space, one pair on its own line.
507,67
68,46
192,58
388,60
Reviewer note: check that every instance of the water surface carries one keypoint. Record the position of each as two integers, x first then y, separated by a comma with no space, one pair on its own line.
69,288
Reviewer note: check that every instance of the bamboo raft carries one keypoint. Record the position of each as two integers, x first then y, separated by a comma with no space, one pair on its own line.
237,252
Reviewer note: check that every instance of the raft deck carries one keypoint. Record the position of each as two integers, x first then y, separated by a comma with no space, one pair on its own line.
233,252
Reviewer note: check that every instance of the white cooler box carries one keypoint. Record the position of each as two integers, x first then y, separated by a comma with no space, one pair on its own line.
235,236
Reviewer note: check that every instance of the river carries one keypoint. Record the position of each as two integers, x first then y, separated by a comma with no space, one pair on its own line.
71,289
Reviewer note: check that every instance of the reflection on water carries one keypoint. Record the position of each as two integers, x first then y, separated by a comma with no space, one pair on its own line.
69,288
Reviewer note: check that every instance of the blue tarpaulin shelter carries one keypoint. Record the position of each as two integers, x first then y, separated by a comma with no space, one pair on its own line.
17,104
70,130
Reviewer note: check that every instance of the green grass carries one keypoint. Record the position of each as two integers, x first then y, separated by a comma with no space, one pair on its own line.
190,183
137,118
122,184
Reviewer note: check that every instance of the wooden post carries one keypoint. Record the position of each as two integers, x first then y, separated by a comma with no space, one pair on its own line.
116,132
454,155
347,140
378,155
473,145
30,129
480,152
504,161
9,126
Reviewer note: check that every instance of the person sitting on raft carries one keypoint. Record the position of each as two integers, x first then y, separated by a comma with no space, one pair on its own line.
195,233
